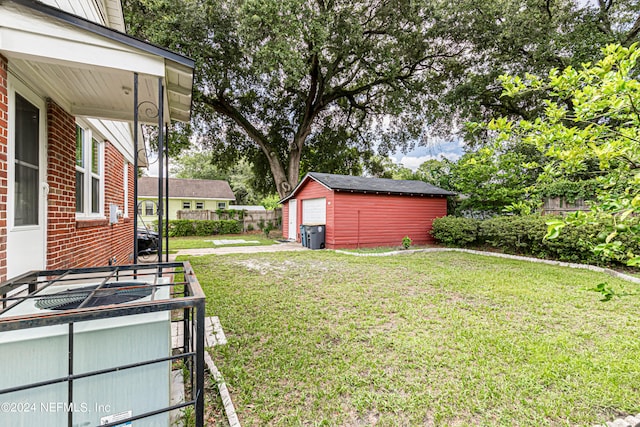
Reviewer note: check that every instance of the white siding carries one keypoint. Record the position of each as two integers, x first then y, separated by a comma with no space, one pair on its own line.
93,10
103,12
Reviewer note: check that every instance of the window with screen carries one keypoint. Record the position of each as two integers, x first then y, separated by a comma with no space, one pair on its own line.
89,174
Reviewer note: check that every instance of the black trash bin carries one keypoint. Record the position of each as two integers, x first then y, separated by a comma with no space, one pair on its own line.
315,236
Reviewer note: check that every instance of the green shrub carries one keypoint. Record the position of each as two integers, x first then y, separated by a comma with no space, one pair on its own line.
455,231
229,227
514,234
267,227
406,242
573,245
524,235
181,227
188,227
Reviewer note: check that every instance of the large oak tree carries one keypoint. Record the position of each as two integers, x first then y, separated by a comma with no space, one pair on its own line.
276,78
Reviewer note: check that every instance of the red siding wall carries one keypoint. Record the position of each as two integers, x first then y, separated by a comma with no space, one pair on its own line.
82,243
356,220
4,135
369,220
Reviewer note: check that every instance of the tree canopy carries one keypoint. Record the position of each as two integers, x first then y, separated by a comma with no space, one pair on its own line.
299,85
199,165
516,37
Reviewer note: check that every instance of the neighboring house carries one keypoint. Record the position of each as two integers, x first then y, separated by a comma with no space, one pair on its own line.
66,135
363,212
184,194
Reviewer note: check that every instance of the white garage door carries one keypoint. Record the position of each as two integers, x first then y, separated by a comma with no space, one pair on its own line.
314,211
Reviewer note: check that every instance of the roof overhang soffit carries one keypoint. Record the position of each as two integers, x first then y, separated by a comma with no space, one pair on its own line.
88,69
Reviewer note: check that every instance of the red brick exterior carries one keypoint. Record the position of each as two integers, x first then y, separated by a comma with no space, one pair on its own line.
4,135
70,242
83,242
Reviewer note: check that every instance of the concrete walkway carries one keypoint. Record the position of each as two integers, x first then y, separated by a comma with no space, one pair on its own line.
214,335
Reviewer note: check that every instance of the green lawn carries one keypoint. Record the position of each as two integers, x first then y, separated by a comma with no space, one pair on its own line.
197,242
318,338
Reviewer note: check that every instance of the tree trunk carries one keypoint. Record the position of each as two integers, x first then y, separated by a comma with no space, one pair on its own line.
294,168
283,186
286,181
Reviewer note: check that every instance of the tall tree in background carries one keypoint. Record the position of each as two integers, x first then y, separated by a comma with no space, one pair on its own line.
276,76
199,165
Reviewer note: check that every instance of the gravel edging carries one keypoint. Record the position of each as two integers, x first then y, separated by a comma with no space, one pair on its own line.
608,271
629,421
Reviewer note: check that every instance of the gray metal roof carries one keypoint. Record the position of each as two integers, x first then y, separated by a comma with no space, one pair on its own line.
363,184
187,188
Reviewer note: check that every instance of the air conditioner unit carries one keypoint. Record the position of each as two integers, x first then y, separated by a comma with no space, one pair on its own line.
41,354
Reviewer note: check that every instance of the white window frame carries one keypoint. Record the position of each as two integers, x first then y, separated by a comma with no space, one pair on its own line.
149,205
186,205
222,205
200,205
16,234
87,144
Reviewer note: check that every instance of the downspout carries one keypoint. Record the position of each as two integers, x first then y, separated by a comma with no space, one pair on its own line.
166,199
160,164
135,167
358,235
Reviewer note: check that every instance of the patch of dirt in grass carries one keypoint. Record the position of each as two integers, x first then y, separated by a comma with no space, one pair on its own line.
387,327
264,267
416,291
287,266
368,419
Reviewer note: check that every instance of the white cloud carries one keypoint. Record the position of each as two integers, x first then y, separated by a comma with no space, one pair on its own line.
413,163
437,148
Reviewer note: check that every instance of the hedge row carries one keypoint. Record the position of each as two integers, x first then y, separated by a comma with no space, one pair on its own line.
193,227
524,235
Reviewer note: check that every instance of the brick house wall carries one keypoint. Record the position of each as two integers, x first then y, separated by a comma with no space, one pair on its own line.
4,135
83,242
70,242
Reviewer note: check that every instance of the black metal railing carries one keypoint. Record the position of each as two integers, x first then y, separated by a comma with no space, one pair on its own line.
174,290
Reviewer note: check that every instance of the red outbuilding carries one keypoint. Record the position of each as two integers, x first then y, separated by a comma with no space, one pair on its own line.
363,212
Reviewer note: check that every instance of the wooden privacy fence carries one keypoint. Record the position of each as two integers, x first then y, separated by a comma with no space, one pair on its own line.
249,218
558,205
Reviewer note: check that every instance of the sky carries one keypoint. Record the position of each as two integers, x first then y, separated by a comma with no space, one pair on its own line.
451,150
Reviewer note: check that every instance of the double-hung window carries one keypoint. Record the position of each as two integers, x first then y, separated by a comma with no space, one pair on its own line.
148,208
89,173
